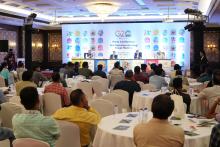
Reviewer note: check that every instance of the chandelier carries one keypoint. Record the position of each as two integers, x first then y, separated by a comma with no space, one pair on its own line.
102,9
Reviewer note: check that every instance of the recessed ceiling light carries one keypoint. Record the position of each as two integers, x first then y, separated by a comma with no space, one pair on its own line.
160,13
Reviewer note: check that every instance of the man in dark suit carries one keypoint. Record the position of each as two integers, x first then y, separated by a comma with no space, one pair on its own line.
114,55
138,55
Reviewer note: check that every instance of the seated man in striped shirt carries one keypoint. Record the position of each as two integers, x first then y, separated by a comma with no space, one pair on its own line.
56,87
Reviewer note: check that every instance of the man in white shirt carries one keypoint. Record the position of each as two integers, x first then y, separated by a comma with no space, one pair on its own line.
157,80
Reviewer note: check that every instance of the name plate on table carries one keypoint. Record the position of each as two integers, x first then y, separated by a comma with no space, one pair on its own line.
121,128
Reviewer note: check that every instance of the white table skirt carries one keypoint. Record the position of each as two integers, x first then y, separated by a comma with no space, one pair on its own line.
145,98
106,136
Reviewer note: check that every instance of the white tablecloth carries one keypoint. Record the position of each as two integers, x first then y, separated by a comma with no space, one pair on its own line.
145,98
106,136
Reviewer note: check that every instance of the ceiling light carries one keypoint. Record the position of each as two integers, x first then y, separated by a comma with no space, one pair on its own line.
55,22
102,9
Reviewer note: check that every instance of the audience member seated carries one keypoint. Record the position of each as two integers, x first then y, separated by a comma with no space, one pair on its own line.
4,72
129,85
85,71
212,92
6,133
144,70
57,87
76,69
32,124
212,112
215,136
153,66
20,69
139,76
26,82
206,76
158,132
2,96
175,68
99,72
63,70
38,77
184,80
157,80
163,73
116,70
69,70
177,89
81,114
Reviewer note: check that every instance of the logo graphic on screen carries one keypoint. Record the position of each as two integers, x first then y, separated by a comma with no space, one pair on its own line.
173,55
77,40
156,39
100,32
68,55
173,48
181,40
85,40
69,34
183,56
69,40
165,32
100,40
147,40
92,48
77,33
100,54
156,47
121,33
92,33
165,40
69,47
93,40
147,33
155,32
173,40
100,48
85,33
147,47
77,48
173,32
181,32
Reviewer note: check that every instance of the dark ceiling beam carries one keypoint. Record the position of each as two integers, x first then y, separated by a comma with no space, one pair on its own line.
21,17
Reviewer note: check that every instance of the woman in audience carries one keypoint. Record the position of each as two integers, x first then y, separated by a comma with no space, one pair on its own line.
143,70
173,73
163,72
153,66
5,72
206,76
178,89
56,87
32,124
116,70
139,76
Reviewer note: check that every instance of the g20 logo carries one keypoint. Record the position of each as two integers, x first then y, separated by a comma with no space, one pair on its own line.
122,33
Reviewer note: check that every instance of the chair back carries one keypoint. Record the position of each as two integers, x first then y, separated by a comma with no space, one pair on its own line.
51,103
115,79
29,142
179,108
86,87
105,84
97,87
7,111
69,135
95,77
2,82
16,100
80,77
125,98
140,83
20,76
115,99
104,107
149,87
5,143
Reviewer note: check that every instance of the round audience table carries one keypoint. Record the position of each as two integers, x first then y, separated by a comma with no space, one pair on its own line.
108,136
145,98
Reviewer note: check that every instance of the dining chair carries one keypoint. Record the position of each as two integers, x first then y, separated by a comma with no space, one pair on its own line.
51,103
104,107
